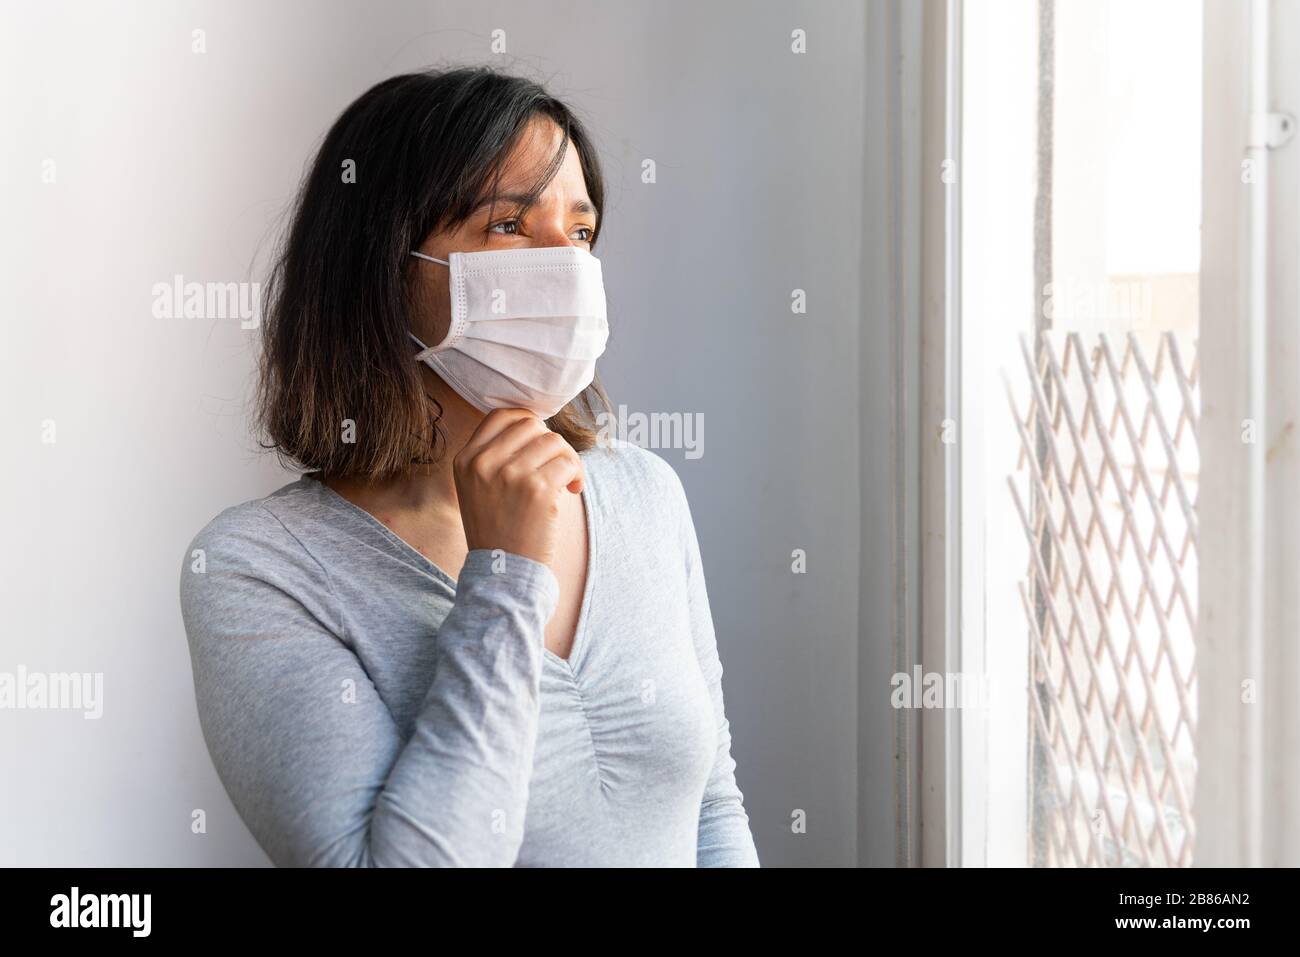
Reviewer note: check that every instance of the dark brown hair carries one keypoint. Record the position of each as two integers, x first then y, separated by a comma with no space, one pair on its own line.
427,147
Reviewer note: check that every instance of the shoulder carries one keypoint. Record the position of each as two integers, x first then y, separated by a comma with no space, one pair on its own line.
251,526
248,546
633,474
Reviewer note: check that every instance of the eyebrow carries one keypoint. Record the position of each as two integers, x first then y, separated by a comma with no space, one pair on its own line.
524,200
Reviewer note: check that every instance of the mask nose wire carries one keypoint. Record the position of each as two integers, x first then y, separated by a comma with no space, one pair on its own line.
432,259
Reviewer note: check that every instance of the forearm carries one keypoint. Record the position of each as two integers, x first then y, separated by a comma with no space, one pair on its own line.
459,790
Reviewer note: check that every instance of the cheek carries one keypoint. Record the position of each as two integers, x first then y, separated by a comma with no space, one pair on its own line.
433,312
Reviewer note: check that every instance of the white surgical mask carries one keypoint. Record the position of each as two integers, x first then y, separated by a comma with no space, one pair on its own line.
527,326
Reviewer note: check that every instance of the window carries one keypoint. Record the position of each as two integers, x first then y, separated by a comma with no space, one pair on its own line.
1080,153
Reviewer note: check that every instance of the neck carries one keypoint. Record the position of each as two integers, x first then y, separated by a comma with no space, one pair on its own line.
423,489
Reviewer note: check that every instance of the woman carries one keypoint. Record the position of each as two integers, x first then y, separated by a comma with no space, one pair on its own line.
472,633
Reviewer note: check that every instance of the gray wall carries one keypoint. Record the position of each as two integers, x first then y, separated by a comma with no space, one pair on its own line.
173,162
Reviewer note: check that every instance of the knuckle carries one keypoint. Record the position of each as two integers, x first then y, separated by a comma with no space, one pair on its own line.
537,486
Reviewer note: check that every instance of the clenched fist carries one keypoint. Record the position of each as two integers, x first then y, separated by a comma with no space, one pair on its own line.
509,479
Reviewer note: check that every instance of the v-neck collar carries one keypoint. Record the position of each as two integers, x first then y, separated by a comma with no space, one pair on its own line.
571,663
340,503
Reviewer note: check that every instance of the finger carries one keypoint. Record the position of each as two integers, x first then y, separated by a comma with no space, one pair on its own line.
507,444
563,471
539,450
495,422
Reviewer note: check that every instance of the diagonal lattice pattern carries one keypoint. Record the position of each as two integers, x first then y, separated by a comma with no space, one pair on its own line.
1105,489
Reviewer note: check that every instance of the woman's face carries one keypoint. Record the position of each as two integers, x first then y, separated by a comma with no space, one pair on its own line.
562,216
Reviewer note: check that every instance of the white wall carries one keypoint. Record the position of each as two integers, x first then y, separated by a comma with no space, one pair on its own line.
170,162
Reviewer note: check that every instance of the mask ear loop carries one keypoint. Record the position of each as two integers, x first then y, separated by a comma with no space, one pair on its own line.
425,351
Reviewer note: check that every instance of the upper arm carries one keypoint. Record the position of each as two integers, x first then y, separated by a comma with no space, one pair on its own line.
306,747
298,733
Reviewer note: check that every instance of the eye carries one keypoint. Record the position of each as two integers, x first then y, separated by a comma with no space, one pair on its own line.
507,227
590,234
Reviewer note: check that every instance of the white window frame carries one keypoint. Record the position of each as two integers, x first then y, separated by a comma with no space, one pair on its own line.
1247,801
952,634
1247,804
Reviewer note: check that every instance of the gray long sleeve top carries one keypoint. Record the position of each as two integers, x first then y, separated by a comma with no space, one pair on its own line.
363,708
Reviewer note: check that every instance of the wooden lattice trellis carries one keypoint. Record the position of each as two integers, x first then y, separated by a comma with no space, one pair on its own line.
1105,488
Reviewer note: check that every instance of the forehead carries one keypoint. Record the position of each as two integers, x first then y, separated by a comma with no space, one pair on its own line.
533,153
